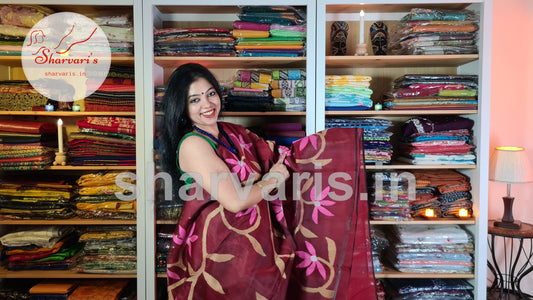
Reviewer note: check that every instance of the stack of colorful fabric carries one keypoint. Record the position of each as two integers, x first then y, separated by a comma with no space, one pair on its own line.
445,191
194,42
109,250
103,141
376,140
164,240
270,31
100,289
43,248
430,249
267,90
284,133
116,93
435,31
53,289
428,288
389,196
437,140
27,199
15,24
97,196
288,89
433,91
119,32
26,145
348,92
19,95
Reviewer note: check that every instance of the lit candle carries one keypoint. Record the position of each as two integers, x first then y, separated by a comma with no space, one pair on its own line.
362,28
429,213
60,135
463,213
49,107
76,107
378,106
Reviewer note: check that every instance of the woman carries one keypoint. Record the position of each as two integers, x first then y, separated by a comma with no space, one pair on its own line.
236,239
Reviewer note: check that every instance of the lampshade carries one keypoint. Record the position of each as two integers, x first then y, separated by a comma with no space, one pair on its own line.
510,165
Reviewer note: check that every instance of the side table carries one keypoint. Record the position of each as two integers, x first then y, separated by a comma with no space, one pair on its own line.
517,260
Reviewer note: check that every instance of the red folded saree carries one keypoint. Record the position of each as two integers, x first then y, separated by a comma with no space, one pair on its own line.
27,127
303,244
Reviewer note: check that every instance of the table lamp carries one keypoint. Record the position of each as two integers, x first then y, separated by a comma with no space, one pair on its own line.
509,165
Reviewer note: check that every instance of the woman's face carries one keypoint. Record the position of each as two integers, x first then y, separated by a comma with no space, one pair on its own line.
203,103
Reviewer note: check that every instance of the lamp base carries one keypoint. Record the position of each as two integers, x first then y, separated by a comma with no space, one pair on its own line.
511,225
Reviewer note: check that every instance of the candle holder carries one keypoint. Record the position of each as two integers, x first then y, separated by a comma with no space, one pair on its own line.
61,159
360,50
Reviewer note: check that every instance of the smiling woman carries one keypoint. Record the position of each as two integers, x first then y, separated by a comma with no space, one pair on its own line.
269,242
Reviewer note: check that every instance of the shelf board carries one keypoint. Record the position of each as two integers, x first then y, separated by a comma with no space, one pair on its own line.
469,221
388,8
377,61
72,221
67,113
58,274
356,113
15,60
261,113
231,62
396,274
167,222
90,168
394,166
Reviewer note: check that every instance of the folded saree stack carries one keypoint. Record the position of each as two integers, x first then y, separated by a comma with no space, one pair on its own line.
193,42
26,145
15,23
103,141
267,90
45,248
284,133
433,91
35,199
164,241
376,139
389,196
428,288
19,95
119,32
444,191
270,31
430,249
437,140
109,250
99,196
348,92
435,31
116,93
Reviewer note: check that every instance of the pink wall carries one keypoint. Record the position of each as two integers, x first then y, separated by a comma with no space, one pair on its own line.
511,117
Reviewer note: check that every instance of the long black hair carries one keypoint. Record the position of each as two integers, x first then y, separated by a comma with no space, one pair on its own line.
176,122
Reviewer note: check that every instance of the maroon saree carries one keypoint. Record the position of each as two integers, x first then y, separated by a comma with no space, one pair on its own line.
311,241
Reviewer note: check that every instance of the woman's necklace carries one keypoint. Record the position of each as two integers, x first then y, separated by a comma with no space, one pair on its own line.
231,148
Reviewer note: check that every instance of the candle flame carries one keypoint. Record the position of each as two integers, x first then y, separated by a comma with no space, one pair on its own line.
362,13
463,212
429,212
59,122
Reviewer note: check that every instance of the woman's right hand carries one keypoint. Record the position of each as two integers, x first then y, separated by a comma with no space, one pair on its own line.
281,170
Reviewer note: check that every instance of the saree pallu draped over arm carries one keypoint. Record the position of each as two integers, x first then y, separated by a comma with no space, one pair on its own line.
309,239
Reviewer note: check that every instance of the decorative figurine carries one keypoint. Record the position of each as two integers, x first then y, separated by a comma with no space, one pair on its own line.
339,34
379,36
